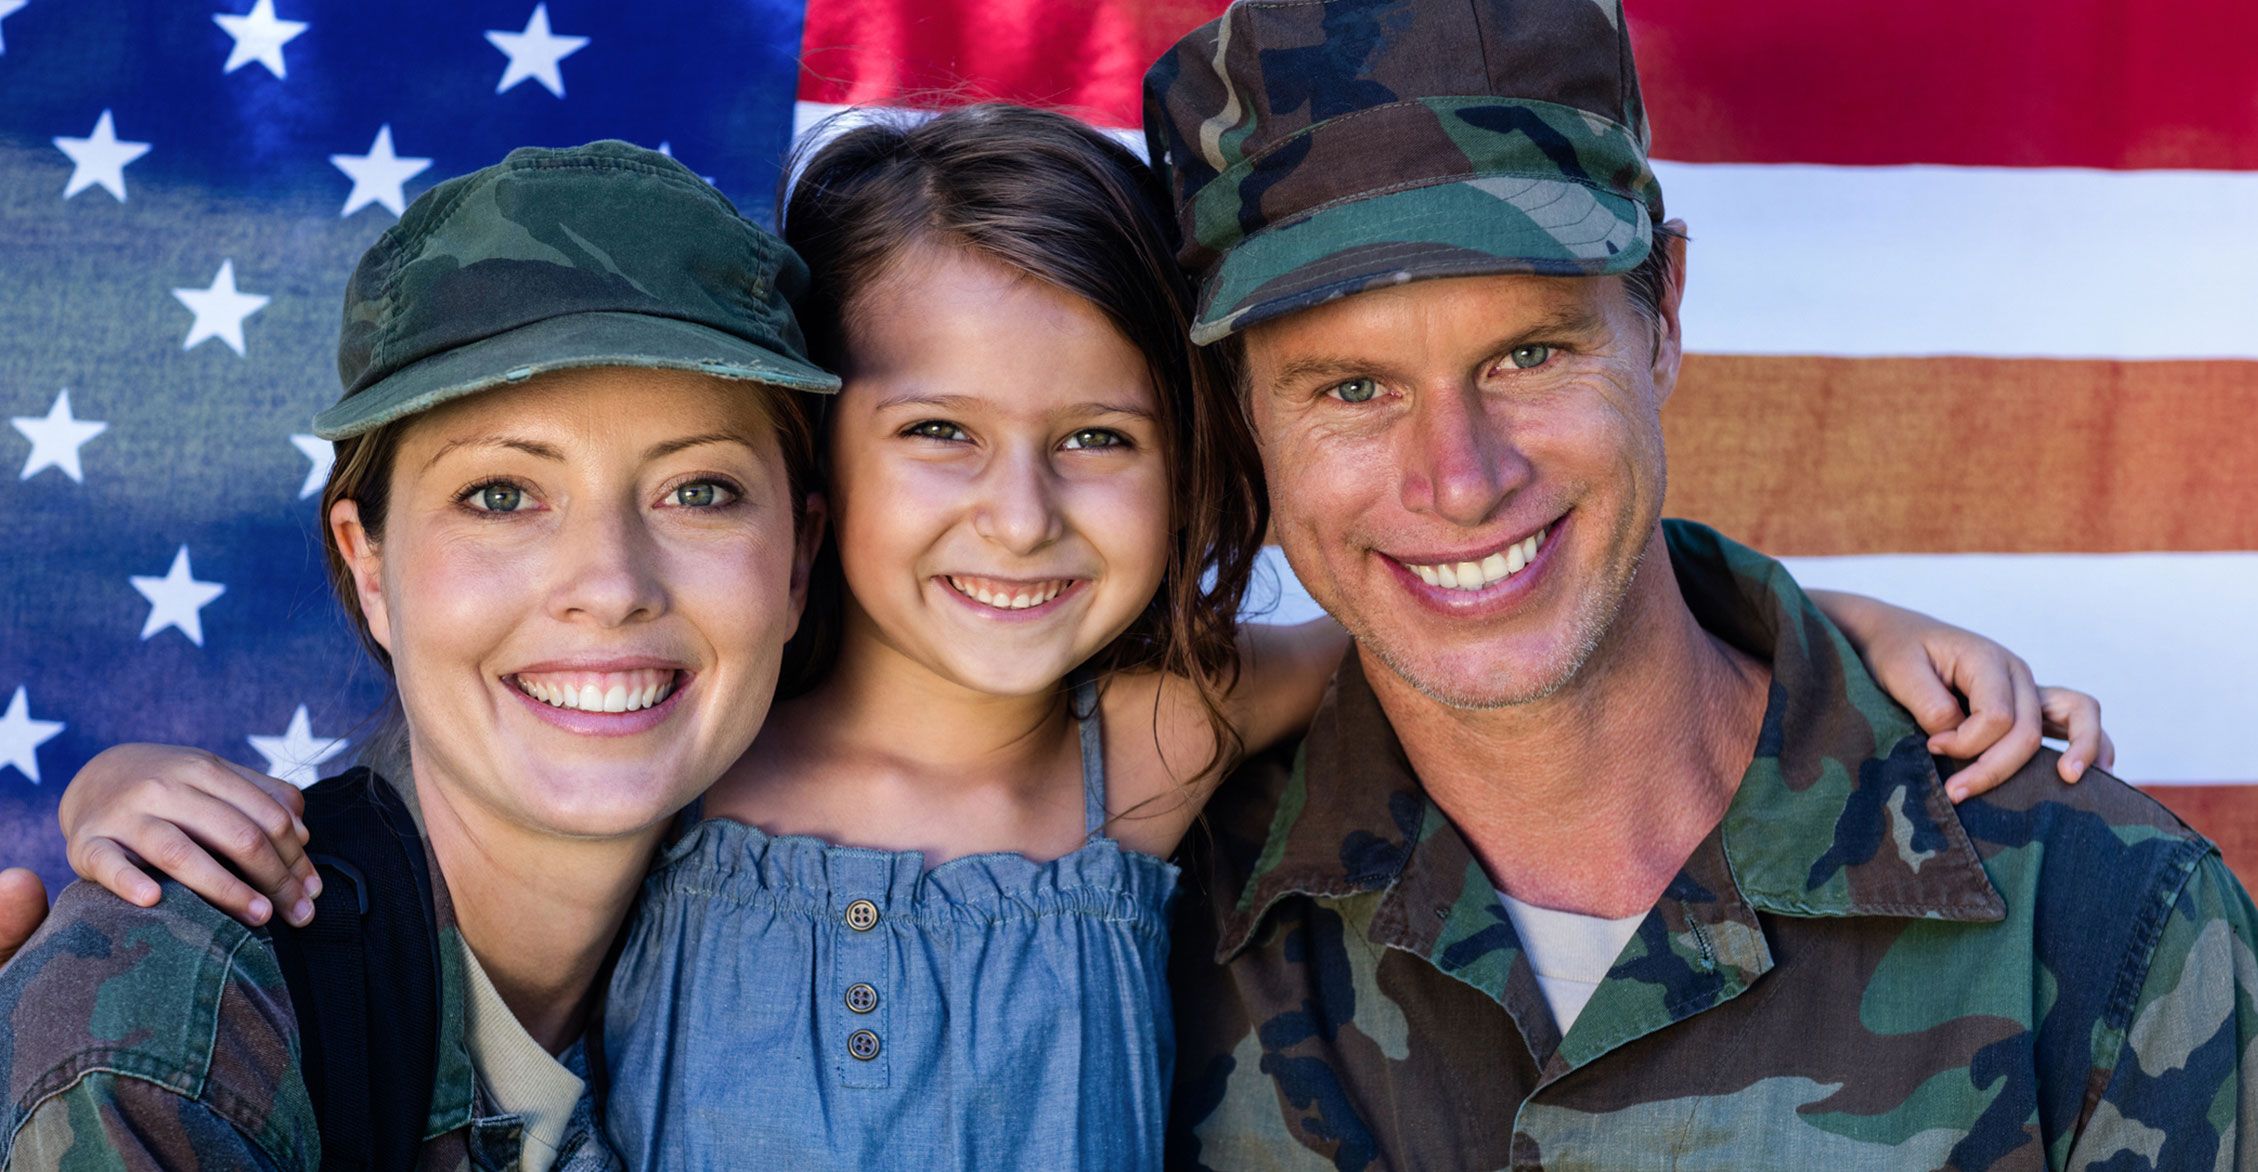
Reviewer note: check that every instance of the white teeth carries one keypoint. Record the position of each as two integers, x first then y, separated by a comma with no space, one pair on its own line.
1496,567
606,692
1008,599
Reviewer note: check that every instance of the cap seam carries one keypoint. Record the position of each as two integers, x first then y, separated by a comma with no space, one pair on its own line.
1398,189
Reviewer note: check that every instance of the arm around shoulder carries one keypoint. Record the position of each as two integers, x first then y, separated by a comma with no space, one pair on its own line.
157,1037
2183,1092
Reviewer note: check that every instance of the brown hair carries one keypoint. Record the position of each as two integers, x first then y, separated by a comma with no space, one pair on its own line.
1052,198
362,474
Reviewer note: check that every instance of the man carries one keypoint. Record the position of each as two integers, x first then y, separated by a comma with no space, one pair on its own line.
1605,851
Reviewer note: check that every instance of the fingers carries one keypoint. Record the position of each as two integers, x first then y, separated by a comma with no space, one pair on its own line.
23,905
107,862
2007,754
171,850
2075,717
1932,704
275,807
1989,683
253,849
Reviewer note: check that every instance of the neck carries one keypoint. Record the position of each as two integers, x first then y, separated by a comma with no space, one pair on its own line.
882,702
1590,799
539,911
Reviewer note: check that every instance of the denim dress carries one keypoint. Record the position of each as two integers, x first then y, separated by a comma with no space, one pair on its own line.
781,1002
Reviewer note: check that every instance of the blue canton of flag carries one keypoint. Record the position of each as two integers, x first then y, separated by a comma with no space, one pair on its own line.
184,189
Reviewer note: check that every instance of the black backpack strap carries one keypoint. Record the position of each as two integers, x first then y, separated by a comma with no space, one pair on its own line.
364,976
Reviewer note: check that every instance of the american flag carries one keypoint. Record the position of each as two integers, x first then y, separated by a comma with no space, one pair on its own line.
1970,303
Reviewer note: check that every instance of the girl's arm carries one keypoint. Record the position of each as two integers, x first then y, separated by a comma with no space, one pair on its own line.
174,809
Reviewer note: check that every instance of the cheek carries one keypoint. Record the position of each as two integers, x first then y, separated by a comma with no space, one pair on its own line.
472,592
1127,518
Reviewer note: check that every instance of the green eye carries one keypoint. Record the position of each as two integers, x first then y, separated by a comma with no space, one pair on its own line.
1355,390
1095,437
1530,357
698,495
500,498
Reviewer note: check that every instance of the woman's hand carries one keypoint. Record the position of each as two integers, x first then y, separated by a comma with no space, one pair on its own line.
230,834
1930,667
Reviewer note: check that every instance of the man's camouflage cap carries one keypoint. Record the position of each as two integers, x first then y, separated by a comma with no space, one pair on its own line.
598,255
1318,148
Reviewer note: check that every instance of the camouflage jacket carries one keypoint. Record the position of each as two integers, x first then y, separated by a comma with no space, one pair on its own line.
1847,973
164,1038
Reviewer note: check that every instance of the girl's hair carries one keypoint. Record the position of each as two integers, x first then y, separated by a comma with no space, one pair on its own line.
362,474
1052,198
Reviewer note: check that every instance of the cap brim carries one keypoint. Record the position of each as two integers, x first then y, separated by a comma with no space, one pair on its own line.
1474,227
569,342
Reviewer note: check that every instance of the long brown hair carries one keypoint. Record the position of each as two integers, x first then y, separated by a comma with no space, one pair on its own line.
1052,198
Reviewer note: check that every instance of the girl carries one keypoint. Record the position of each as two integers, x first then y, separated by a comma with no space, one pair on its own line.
933,895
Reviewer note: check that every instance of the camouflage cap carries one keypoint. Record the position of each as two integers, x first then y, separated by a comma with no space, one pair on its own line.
598,255
1318,148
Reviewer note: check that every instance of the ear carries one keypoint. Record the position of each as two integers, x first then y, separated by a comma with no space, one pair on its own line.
362,559
1669,343
816,522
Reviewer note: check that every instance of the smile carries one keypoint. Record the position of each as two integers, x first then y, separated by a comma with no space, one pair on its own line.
1488,570
1007,594
598,691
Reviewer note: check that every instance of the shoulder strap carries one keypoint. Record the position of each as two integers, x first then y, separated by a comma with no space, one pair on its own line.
364,976
1092,726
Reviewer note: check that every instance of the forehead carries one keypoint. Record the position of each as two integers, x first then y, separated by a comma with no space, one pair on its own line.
1423,313
597,406
951,321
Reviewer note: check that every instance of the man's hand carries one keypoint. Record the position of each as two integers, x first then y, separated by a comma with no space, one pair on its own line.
23,906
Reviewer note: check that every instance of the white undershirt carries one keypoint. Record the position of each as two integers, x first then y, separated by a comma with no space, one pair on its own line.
1571,953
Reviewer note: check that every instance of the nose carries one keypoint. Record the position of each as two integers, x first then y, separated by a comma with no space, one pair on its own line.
608,569
1463,463
1018,505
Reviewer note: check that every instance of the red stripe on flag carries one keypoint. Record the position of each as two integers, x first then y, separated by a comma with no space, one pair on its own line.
1086,58
2009,83
2225,814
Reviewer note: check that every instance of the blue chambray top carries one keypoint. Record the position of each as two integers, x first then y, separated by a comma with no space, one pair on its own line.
782,1002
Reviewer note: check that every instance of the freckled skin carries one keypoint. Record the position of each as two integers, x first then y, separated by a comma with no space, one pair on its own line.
1459,448
596,555
1002,373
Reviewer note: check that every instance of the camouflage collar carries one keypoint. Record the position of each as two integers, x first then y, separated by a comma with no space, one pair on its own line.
1841,812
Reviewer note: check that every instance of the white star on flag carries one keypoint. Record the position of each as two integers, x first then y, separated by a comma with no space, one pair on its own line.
535,52
296,756
378,175
99,158
9,8
21,736
177,599
258,37
55,439
219,310
323,454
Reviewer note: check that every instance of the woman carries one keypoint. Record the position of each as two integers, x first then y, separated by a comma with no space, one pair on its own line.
567,458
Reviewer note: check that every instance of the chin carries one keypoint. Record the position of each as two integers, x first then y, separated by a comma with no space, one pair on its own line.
1026,676
606,801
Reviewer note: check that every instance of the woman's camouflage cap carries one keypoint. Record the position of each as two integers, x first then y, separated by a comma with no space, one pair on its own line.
598,255
1318,148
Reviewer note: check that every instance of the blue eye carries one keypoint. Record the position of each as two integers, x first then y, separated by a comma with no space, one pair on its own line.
936,429
1530,357
703,494
1096,437
496,497
1355,390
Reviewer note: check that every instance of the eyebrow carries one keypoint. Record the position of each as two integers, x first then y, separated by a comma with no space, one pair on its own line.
542,451
968,402
1566,319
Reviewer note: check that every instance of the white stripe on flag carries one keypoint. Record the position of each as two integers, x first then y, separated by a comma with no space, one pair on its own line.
2004,262
2166,640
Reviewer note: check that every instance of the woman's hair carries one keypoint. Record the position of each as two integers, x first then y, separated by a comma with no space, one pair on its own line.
1049,197
362,474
